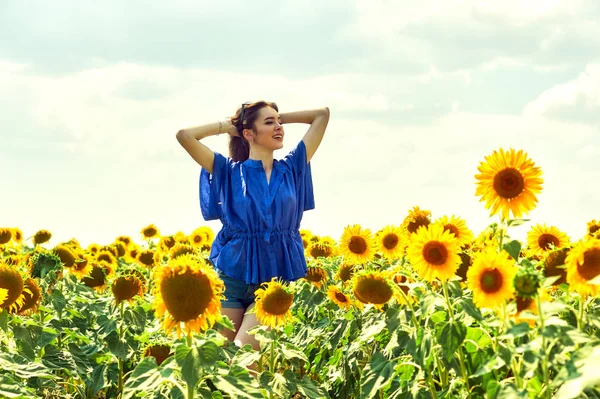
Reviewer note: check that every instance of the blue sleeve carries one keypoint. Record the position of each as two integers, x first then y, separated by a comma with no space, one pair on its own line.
212,188
296,161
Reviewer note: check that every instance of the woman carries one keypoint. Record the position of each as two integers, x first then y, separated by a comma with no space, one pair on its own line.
259,200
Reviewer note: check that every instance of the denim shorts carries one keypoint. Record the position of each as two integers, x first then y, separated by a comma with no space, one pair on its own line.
238,294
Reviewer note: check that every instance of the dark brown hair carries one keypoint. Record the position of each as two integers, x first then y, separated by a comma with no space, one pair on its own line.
239,148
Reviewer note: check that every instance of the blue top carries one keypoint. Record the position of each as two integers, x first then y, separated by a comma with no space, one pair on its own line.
260,238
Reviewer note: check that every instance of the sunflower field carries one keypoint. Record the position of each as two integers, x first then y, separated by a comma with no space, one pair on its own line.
423,308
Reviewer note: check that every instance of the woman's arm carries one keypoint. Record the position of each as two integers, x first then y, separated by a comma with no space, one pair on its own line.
318,119
189,140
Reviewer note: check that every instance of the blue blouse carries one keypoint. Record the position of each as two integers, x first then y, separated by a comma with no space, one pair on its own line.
260,238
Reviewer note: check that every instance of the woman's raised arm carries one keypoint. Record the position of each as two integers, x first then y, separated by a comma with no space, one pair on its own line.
318,119
190,140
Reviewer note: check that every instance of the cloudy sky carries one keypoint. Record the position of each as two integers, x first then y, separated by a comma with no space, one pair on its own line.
94,92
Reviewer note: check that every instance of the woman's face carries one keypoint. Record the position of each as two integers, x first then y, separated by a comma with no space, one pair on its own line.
269,130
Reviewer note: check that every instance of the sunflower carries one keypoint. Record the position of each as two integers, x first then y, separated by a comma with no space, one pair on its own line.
120,248
82,267
147,258
415,219
433,253
30,298
5,235
160,352
181,250
3,295
42,263
93,249
306,235
109,248
583,267
345,271
458,227
316,275
490,278
554,265
188,292
273,303
132,253
126,287
373,288
321,247
106,256
542,239
389,242
10,280
508,182
338,297
593,229
465,263
198,237
167,242
41,237
67,255
17,235
73,243
149,231
125,240
357,244
99,275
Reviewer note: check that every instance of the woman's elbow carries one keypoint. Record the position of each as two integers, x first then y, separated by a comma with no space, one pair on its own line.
181,135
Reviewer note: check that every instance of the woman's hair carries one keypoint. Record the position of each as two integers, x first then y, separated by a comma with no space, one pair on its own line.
239,148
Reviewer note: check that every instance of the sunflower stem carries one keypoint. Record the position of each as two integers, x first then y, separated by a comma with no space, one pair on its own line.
461,356
582,299
190,388
514,365
120,361
412,310
545,372
431,385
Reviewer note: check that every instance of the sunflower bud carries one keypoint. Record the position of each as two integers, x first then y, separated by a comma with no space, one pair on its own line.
528,281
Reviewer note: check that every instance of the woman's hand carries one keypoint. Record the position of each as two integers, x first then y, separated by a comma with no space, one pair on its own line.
230,128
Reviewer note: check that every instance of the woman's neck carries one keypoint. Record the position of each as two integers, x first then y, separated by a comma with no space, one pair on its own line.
265,156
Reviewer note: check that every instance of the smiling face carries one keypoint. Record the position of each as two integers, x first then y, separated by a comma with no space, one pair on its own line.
268,131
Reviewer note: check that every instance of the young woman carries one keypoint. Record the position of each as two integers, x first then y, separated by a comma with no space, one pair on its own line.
260,201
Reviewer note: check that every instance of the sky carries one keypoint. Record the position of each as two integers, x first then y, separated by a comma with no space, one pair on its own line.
93,94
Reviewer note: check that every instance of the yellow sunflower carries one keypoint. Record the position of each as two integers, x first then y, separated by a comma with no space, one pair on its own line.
542,239
273,304
458,227
17,235
149,231
106,256
415,219
491,277
338,297
554,265
5,235
3,295
41,237
10,280
583,267
390,242
126,287
197,238
125,240
120,249
373,288
465,263
99,275
593,229
508,182
357,244
147,258
345,271
306,235
321,247
181,250
158,351
82,267
433,253
93,249
316,275
188,292
30,298
66,254
167,242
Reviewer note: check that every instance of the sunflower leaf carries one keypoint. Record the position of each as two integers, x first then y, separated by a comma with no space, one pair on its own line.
513,248
376,376
516,222
451,337
238,384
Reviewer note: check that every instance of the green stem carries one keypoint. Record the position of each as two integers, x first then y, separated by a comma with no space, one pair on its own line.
431,385
581,312
272,363
544,348
461,356
190,388
120,361
412,310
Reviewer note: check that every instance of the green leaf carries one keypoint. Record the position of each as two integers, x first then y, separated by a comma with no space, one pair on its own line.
117,346
107,325
466,303
513,248
377,374
517,331
58,300
145,377
492,364
4,316
12,388
135,317
274,383
309,389
23,368
193,360
293,353
516,222
582,374
451,337
238,384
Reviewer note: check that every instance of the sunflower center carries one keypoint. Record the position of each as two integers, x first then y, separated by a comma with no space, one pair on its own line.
320,251
546,241
452,229
509,183
96,278
594,229
435,253
345,272
465,263
357,245
150,232
590,268
197,239
187,295
126,287
491,281
277,302
390,241
159,352
373,290
315,274
417,222
341,297
147,258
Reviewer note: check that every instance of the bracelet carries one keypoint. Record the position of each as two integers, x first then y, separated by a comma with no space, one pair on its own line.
220,126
